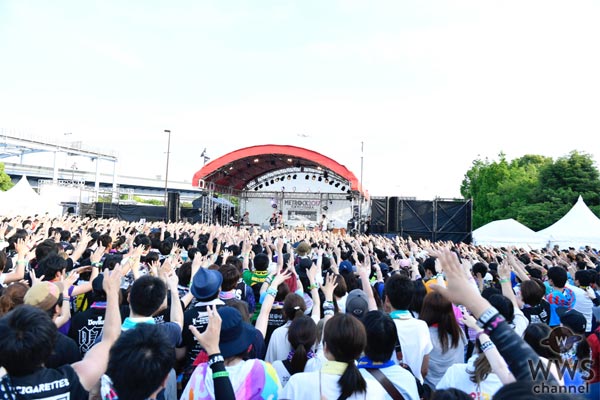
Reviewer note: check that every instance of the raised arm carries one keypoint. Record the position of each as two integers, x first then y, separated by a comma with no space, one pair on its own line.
263,318
94,364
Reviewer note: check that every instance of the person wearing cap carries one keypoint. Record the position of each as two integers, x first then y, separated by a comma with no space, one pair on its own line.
252,378
27,335
580,349
205,287
48,297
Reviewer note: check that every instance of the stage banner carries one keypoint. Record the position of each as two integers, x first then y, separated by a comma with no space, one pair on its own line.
301,211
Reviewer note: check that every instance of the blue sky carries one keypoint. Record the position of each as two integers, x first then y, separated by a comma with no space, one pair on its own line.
427,85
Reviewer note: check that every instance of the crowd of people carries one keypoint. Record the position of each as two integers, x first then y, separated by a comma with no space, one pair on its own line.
108,309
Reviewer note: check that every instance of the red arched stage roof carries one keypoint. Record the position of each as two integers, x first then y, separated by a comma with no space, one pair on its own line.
238,168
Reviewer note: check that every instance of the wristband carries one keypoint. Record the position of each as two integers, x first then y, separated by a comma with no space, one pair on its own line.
487,346
504,281
96,264
215,358
486,317
21,262
220,374
313,286
272,292
328,312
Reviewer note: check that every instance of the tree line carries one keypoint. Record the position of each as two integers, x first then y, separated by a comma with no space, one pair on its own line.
534,190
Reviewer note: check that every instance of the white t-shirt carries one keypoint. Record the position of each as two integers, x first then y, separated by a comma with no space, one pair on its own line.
415,341
284,375
318,385
279,345
458,377
439,362
401,378
583,304
520,322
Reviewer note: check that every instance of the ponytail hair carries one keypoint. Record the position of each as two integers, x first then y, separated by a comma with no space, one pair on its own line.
302,334
351,382
345,338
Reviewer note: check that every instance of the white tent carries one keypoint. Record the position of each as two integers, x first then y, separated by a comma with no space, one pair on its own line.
23,200
508,232
579,227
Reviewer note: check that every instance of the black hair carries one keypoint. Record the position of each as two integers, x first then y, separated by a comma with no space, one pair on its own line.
165,247
151,257
534,335
27,338
184,273
504,306
381,336
585,277
558,276
50,266
261,262
429,265
105,241
46,247
139,361
65,236
186,243
147,295
417,301
345,339
400,291
142,240
110,261
479,268
302,334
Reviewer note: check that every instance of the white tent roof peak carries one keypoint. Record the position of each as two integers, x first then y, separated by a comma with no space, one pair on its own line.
507,232
578,227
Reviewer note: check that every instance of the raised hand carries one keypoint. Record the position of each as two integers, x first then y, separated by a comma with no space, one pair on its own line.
209,339
329,287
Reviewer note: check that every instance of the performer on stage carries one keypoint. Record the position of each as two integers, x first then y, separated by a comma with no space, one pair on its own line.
324,223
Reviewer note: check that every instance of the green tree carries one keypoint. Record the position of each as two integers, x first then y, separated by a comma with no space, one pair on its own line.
533,189
5,182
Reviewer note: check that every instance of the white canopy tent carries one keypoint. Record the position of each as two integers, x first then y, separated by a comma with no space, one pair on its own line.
23,200
579,227
508,232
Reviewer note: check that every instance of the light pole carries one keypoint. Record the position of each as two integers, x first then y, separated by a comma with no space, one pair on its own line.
167,169
362,145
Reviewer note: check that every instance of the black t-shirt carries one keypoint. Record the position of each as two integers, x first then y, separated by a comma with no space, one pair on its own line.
46,383
198,317
87,326
539,313
275,321
65,352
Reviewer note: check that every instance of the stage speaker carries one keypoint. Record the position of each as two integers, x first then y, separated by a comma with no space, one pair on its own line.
173,207
379,215
393,215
